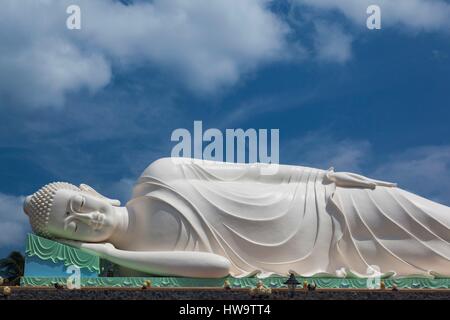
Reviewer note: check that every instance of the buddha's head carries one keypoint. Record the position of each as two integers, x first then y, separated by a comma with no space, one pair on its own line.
62,210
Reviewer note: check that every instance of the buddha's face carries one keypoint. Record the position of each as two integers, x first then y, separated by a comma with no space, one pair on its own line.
79,216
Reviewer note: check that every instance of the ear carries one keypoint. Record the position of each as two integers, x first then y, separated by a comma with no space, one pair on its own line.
91,191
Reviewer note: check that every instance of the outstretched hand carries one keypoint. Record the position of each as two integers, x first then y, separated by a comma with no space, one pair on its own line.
353,180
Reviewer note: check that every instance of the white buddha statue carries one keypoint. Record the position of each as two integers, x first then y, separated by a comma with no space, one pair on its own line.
197,218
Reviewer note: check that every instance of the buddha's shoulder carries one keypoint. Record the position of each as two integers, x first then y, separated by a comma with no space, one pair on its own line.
173,165
172,168
164,168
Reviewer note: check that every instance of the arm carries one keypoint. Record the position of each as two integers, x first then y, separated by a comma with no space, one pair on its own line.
175,263
353,180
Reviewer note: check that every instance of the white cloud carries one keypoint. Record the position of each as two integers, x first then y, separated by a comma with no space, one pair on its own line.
204,45
46,71
428,15
321,150
208,44
425,170
332,43
38,63
13,221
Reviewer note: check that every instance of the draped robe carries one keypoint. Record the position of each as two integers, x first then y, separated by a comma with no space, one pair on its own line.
295,220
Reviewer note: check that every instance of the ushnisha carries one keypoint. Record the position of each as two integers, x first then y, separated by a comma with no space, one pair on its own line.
197,218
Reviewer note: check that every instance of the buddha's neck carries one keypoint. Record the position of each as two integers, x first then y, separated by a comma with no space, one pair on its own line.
122,225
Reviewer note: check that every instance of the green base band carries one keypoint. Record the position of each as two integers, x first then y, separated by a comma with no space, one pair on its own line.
273,282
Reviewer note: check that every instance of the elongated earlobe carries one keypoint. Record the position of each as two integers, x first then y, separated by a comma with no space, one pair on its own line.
92,191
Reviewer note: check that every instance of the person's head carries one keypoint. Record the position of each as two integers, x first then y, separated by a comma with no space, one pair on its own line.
62,210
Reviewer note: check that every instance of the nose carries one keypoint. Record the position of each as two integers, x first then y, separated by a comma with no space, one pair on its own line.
84,217
94,219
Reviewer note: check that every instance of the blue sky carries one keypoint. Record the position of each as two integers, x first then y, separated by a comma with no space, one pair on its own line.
97,105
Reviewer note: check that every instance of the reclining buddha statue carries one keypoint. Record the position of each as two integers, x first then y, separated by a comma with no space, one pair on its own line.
198,218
